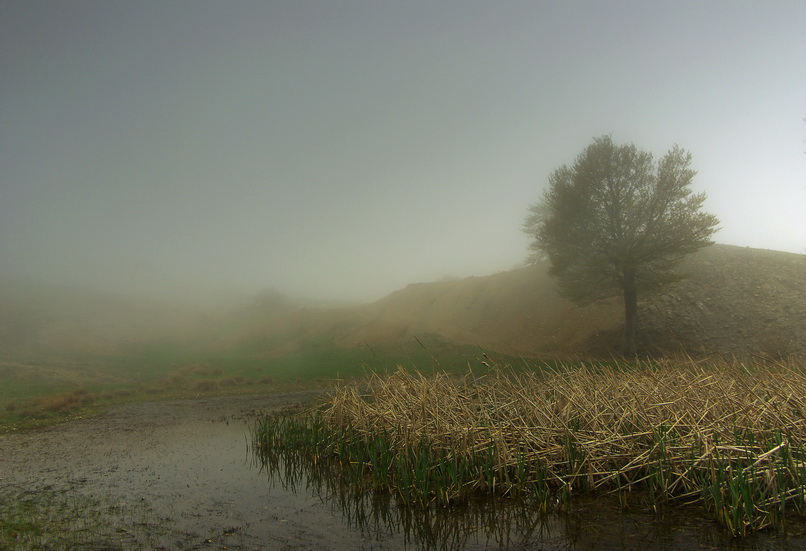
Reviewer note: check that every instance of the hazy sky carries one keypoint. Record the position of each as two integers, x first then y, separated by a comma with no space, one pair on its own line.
347,148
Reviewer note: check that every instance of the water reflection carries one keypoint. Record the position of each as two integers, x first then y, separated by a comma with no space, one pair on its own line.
586,524
476,523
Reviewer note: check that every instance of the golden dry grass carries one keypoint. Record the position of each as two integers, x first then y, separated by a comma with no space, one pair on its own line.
728,434
64,401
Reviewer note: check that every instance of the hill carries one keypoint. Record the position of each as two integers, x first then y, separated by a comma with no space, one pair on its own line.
734,301
737,301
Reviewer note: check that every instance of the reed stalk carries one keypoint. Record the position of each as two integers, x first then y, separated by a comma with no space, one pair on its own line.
726,435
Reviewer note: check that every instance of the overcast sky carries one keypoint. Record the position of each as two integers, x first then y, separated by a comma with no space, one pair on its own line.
344,149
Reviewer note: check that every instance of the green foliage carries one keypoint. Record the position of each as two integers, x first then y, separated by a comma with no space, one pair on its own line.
418,475
614,209
166,369
47,519
53,520
616,222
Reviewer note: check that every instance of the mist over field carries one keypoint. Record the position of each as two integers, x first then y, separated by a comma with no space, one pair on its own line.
374,245
197,196
202,152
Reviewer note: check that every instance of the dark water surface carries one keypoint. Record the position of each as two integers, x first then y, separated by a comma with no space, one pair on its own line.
376,522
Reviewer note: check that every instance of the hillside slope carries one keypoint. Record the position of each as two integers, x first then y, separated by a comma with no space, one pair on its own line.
515,312
735,301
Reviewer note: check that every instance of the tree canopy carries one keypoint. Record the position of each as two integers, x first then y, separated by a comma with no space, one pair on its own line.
616,222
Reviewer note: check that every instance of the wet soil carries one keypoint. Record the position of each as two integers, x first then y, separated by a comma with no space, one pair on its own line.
179,475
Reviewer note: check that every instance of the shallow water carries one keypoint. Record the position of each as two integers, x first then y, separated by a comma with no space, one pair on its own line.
179,475
376,522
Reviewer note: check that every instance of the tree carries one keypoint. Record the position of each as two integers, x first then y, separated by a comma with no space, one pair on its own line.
617,223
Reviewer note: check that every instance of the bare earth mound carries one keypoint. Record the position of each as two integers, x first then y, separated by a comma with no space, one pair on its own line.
735,301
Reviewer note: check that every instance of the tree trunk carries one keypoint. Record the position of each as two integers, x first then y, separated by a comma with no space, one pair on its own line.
630,312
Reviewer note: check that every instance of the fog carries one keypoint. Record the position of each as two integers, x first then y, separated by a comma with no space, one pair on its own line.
341,150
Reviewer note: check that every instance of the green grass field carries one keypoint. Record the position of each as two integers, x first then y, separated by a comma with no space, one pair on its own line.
40,391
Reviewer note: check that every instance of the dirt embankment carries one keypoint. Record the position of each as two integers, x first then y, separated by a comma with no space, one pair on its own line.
734,301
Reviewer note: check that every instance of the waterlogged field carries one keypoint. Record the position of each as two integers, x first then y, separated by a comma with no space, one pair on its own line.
727,439
561,457
38,391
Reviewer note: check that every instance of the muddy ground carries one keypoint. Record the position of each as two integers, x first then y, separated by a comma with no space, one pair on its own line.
172,475
179,475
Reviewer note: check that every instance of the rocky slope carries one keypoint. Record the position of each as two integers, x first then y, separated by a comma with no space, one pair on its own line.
736,301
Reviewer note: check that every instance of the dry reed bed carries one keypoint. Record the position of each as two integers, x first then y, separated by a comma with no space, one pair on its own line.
728,435
608,409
